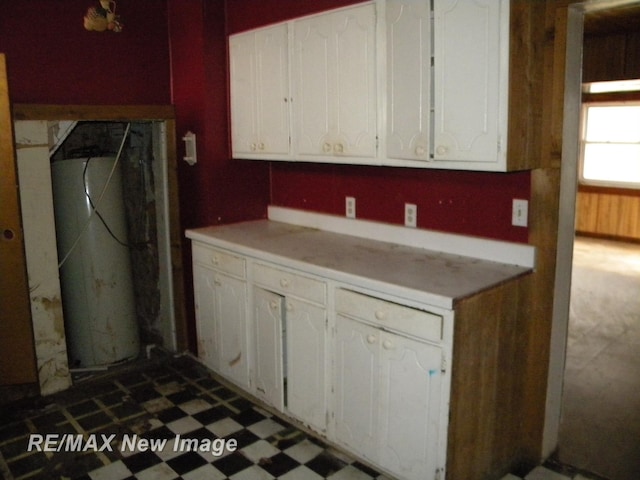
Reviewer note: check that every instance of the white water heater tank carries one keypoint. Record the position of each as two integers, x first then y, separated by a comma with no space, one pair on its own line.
96,280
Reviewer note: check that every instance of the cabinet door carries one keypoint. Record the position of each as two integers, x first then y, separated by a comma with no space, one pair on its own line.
259,93
410,406
206,329
334,83
268,379
357,386
306,360
231,322
408,44
471,80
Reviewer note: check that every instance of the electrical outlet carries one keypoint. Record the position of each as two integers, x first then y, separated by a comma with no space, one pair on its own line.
519,213
410,215
350,207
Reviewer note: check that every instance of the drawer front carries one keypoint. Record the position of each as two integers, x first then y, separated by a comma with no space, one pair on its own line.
220,260
289,283
389,315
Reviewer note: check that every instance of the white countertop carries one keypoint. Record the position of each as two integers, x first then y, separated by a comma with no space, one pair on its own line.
432,277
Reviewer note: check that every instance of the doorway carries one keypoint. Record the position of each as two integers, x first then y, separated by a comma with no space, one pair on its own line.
600,424
33,140
565,340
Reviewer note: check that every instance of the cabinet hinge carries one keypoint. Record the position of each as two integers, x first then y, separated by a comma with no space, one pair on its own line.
443,363
438,475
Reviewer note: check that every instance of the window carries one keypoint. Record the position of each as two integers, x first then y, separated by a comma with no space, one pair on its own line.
611,144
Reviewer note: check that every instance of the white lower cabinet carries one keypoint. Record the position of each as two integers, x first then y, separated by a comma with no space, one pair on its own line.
357,386
388,393
268,321
206,329
410,406
219,297
368,373
306,332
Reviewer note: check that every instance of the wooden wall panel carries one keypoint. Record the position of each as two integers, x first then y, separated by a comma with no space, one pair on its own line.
608,215
487,387
17,351
614,56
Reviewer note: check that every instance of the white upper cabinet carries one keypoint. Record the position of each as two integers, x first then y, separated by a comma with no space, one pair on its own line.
471,82
408,77
259,93
418,83
334,85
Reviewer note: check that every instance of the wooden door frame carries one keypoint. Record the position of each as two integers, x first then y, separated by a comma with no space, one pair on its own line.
124,113
569,82
17,344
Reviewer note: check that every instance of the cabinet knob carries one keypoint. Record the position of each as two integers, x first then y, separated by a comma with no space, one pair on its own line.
284,282
441,150
380,315
326,147
215,260
273,304
420,151
289,307
338,148
253,147
261,146
387,344
371,339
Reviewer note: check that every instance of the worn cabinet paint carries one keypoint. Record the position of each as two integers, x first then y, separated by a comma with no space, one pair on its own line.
334,84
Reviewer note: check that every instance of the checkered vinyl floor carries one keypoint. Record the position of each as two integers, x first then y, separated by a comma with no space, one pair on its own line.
161,401
164,398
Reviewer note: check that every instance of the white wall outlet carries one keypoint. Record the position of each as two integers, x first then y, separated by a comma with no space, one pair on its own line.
350,207
519,213
410,215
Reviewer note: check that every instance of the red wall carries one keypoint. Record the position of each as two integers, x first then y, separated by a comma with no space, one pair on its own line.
467,203
52,59
247,14
217,189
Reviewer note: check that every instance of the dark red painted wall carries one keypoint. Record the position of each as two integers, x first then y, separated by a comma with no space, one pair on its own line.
217,189
52,59
247,14
467,203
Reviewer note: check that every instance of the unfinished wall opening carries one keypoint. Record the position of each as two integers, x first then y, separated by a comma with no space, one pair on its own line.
41,131
107,234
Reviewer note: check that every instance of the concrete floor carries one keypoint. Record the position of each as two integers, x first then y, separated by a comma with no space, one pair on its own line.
600,430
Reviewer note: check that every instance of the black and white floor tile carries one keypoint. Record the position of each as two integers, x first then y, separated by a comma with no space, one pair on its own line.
173,400
165,400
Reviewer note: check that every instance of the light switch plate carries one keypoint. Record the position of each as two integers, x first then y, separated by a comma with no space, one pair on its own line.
519,213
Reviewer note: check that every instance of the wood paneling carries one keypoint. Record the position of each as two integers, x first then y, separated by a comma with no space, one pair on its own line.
17,351
608,214
526,72
614,55
487,387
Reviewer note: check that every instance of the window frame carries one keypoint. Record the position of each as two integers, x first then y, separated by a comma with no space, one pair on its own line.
582,140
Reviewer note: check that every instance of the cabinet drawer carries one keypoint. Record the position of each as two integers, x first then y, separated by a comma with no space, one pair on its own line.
218,259
289,283
389,315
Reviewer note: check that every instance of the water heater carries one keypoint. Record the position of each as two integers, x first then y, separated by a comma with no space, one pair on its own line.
95,276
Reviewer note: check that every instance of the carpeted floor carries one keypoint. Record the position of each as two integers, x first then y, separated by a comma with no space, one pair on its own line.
600,429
